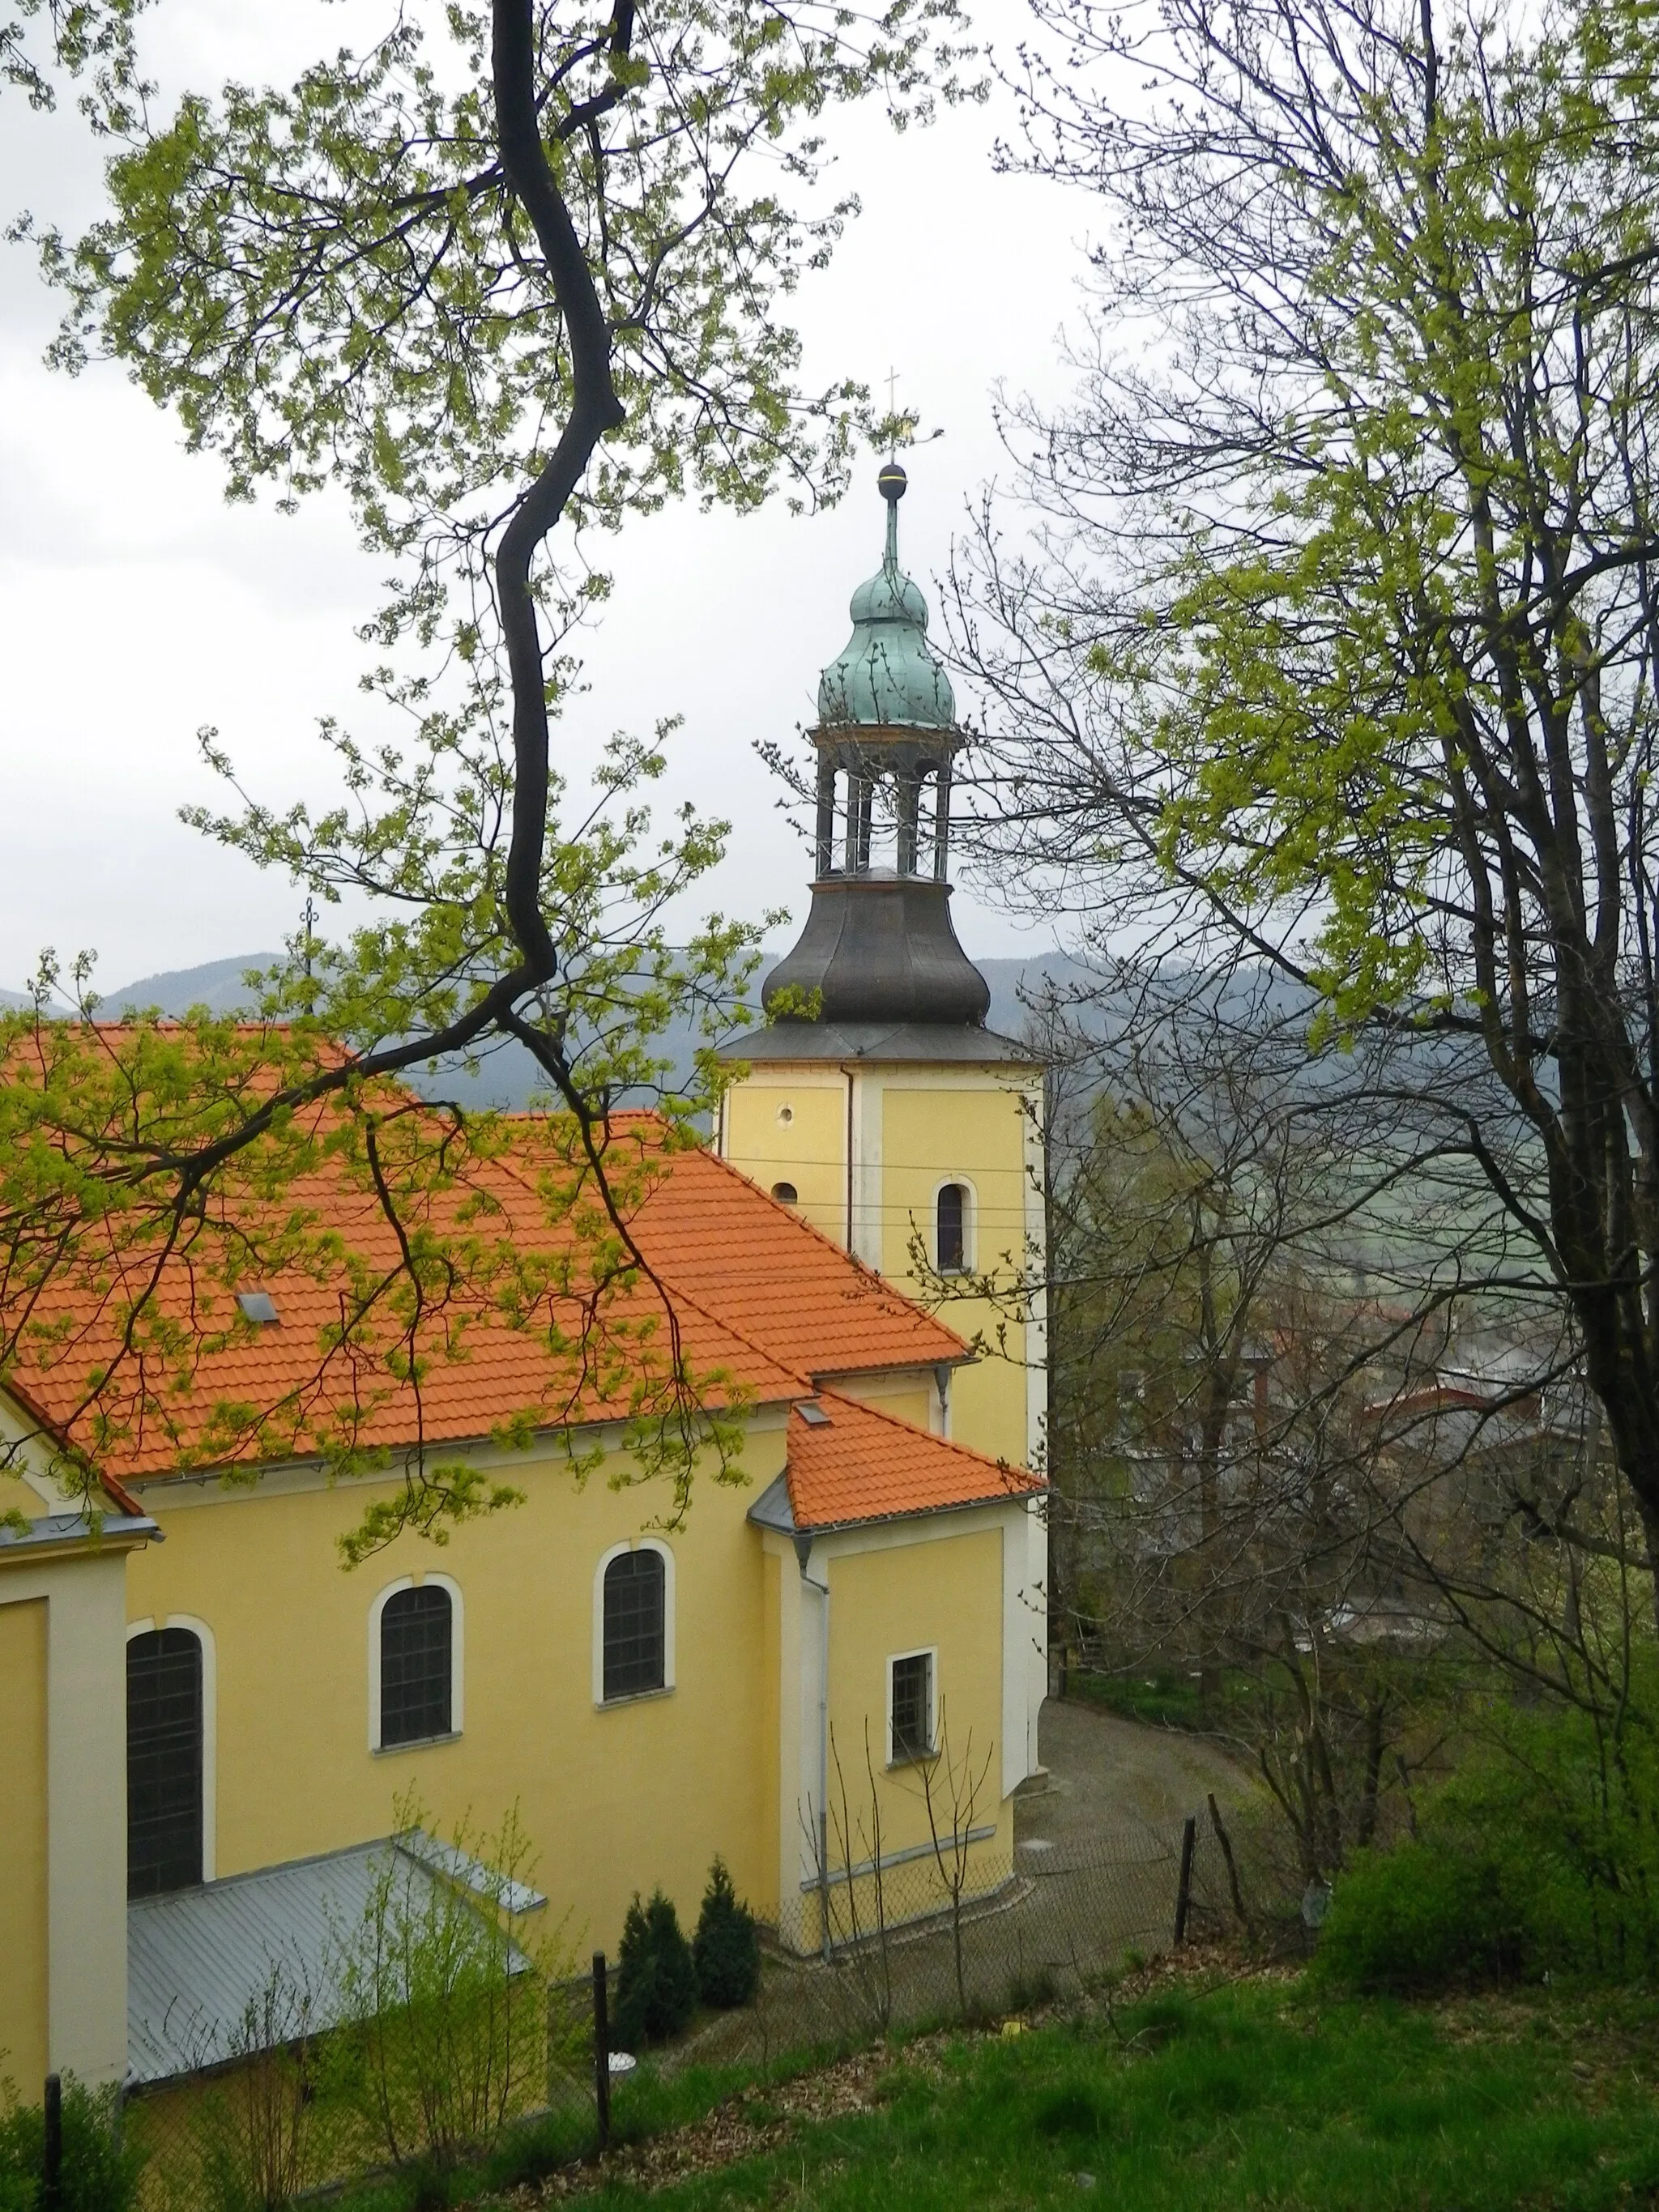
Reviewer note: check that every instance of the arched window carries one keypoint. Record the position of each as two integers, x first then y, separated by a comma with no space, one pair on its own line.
951,1228
635,1630
164,1761
786,1193
417,1665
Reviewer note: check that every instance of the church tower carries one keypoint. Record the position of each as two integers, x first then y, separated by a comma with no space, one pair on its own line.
876,1102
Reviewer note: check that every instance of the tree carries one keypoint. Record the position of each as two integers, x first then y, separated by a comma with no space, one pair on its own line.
1235,1479
42,41
1335,652
501,276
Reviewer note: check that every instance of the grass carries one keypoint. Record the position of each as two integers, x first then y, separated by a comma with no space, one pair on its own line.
1254,2095
644,2108
1164,1698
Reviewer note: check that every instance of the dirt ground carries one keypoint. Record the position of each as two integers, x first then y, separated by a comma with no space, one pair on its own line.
1106,1775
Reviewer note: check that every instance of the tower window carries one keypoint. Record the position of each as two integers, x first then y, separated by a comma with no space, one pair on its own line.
952,1229
417,1642
164,1761
636,1623
786,1193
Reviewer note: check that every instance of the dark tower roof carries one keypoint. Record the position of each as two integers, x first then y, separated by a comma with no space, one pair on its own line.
879,950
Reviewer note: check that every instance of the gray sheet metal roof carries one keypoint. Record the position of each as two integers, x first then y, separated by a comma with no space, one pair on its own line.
50,1529
253,1961
958,1042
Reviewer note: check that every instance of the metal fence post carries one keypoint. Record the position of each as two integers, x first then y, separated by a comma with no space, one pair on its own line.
601,2051
1184,1887
51,2176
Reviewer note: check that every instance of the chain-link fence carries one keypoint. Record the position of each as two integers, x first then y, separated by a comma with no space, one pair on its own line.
926,1938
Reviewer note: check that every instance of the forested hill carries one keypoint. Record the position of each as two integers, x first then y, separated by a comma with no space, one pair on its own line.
507,1076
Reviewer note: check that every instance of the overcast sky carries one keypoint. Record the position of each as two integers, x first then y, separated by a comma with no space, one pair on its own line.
136,607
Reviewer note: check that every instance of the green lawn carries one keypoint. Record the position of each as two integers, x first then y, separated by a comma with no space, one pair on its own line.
1160,1699
1252,2095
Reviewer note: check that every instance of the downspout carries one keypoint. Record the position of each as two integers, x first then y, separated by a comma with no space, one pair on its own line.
803,1553
942,1384
848,1072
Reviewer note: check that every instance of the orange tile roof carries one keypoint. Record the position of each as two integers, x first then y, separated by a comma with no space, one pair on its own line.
723,1240
854,1463
762,1303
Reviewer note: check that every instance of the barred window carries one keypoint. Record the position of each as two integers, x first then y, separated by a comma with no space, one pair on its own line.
952,1203
417,1650
912,1706
164,1761
636,1623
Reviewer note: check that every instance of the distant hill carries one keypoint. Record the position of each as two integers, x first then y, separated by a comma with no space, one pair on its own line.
217,985
507,1076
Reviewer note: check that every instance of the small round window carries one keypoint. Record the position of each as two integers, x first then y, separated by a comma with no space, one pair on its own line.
785,1194
786,1114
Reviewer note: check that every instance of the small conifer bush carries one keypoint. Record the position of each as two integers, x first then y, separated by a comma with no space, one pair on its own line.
727,1947
656,1980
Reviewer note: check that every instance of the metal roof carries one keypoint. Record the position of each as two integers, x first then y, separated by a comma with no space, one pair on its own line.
948,1041
254,1961
50,1530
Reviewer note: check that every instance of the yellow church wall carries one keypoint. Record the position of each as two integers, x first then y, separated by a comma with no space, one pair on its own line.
945,1595
24,1845
909,1395
892,1592
795,1132
614,1798
932,1135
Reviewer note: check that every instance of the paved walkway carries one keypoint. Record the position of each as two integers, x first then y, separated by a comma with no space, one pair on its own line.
1106,1775
1094,1874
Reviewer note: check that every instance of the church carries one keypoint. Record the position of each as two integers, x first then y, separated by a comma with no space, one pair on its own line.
208,1721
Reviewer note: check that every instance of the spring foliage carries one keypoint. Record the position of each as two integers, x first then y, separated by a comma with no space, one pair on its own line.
1540,1857
511,270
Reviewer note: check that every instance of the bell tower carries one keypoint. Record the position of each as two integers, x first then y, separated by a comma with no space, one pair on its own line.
875,1101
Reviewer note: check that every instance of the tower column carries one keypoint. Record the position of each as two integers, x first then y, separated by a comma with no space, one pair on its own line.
825,858
942,819
909,797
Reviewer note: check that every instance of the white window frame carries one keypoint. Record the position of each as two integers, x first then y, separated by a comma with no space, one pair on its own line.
634,1697
930,1653
969,1224
456,1664
203,1635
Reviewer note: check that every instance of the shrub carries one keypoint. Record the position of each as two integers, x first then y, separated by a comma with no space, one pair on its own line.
1541,1855
656,1980
449,2016
101,2174
726,1948
1422,1916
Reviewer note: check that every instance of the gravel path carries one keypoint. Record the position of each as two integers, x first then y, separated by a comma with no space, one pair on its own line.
1106,1775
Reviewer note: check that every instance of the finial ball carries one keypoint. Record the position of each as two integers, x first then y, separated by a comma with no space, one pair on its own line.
892,482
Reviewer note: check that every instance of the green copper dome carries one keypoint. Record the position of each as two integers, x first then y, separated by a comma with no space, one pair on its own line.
884,677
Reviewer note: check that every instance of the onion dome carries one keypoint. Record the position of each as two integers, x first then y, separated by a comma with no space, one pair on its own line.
884,676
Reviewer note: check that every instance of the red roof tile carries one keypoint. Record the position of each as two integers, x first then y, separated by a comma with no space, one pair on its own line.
763,1305
862,1464
723,1240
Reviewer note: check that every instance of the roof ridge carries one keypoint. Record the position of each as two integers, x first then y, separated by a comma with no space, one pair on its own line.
895,1301
686,1298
